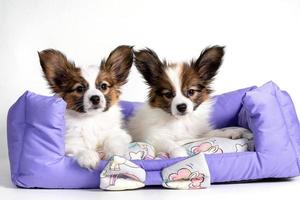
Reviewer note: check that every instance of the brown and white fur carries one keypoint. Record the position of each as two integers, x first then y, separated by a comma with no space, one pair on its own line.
93,116
179,104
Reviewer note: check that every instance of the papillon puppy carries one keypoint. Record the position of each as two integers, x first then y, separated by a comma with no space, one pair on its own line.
93,117
179,103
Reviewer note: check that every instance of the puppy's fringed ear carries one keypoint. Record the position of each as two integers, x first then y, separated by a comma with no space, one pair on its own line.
118,63
57,69
208,63
149,65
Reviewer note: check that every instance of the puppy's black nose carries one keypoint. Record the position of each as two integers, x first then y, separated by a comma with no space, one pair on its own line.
181,107
95,99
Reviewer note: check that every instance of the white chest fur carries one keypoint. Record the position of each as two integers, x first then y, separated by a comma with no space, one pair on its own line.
150,121
93,128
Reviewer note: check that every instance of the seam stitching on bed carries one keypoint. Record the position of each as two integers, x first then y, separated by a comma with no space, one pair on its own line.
248,114
287,128
24,132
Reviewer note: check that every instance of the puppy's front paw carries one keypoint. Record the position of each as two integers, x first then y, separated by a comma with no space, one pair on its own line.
88,159
178,152
116,146
235,135
239,132
118,150
231,133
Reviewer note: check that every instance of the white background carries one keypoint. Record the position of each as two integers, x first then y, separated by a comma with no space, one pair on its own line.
262,40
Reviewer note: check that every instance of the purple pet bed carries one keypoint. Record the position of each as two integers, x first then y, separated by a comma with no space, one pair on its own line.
36,129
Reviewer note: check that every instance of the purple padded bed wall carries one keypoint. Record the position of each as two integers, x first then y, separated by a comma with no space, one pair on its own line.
36,128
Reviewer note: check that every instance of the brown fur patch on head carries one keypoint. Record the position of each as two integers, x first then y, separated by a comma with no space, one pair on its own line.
111,91
114,72
193,87
161,94
64,78
196,76
161,91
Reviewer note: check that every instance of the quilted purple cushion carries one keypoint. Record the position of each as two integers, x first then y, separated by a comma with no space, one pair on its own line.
35,131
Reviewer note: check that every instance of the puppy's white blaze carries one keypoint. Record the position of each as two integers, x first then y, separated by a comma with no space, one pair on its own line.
174,74
90,74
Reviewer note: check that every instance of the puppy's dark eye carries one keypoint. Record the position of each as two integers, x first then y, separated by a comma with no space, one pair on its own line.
103,86
190,92
79,89
168,95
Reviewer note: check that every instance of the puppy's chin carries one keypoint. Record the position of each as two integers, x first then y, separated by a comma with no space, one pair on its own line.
93,110
179,115
90,111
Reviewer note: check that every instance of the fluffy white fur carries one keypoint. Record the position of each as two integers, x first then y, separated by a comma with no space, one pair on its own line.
94,131
87,134
162,130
